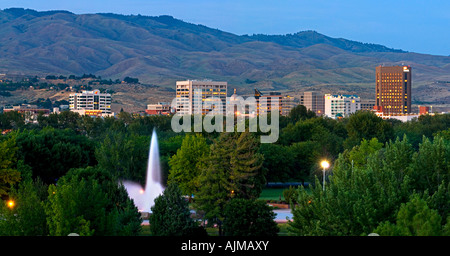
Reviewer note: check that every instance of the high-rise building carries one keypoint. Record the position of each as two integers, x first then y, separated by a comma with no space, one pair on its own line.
313,101
91,103
393,90
192,94
341,105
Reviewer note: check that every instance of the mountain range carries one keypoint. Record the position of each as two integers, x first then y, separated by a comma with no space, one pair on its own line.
161,50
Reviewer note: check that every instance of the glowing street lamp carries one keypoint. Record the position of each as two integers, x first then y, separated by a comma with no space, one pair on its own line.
11,204
325,164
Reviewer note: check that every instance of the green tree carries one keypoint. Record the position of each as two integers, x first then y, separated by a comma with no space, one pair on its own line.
171,216
71,205
305,156
300,112
414,218
124,155
27,217
186,164
90,202
12,120
279,162
248,217
355,200
51,152
290,195
233,169
366,125
8,158
359,154
431,164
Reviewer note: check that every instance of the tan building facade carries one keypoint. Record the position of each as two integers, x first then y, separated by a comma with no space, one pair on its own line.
393,89
191,96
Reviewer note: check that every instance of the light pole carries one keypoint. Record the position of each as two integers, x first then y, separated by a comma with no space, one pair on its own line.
325,166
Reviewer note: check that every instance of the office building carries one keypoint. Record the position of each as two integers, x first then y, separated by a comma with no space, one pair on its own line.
313,101
92,103
264,102
161,108
368,104
339,106
393,90
192,96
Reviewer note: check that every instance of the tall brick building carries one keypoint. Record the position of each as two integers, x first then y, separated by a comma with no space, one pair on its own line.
393,90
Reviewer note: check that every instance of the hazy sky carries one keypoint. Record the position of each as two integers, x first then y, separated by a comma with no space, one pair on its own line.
413,25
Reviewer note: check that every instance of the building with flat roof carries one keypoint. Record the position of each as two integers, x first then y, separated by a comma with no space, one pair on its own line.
313,101
341,105
27,108
91,102
368,104
264,102
192,96
393,90
161,108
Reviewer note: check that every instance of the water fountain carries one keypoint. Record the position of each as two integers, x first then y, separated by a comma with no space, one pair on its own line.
144,197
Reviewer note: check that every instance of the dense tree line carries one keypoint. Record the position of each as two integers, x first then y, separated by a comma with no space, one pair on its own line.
383,174
389,189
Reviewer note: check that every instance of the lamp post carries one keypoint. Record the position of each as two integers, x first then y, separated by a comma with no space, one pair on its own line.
325,166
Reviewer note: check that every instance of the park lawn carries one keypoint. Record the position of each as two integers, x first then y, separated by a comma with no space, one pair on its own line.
272,194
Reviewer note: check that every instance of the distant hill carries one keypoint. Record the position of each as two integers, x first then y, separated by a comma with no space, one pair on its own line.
161,50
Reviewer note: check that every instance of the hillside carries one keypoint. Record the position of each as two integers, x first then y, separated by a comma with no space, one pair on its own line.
161,50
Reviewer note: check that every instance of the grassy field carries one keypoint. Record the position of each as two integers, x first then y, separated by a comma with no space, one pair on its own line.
272,194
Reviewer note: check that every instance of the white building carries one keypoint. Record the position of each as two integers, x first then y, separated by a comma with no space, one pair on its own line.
341,105
91,102
193,96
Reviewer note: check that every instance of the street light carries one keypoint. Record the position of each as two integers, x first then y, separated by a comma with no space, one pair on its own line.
10,204
325,166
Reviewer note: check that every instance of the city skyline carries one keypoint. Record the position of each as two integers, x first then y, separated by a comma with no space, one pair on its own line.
413,26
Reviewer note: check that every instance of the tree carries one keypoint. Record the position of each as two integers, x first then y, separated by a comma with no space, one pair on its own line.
247,217
414,218
186,164
431,164
124,155
12,120
232,170
355,200
131,80
359,154
51,152
279,162
8,158
366,125
27,217
171,216
89,201
300,112
71,205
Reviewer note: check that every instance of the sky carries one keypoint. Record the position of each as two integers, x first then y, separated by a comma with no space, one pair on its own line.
421,26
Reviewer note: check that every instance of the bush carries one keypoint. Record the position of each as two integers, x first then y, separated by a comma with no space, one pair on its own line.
290,195
246,217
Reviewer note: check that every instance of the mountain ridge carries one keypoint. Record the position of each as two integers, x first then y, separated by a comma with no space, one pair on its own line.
162,49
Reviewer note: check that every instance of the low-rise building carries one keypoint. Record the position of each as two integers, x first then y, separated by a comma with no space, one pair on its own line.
161,108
